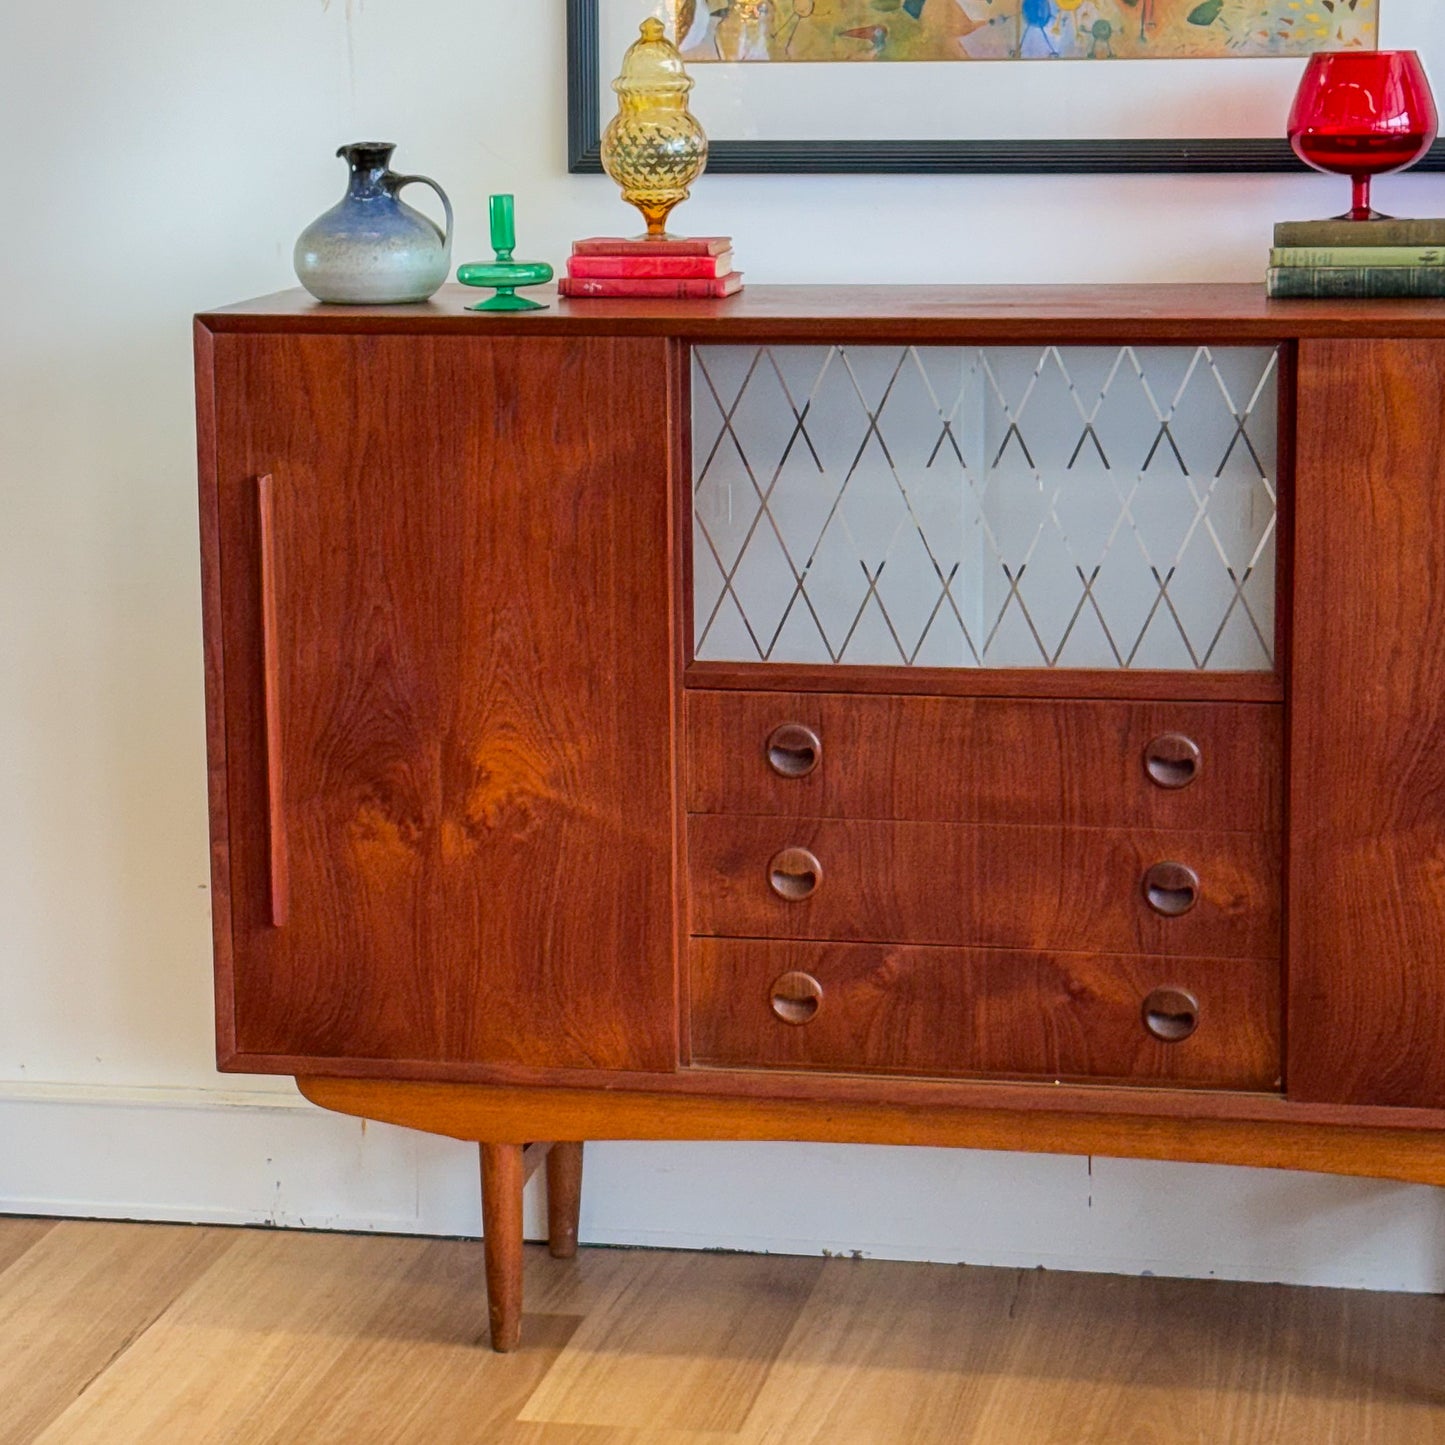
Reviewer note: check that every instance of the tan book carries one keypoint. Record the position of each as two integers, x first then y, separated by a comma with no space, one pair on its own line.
1422,232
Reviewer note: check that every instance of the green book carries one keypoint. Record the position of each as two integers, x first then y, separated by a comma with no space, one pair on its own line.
1374,282
1357,256
1360,233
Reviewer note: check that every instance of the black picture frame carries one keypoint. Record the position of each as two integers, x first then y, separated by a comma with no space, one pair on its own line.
900,157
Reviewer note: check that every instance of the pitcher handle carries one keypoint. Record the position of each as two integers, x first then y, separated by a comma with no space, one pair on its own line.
399,181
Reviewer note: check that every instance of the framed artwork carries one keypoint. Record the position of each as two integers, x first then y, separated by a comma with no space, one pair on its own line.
989,85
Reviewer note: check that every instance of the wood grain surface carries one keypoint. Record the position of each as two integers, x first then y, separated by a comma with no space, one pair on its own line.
362,1340
295,1337
990,887
651,1356
1367,795
1159,312
97,1287
964,760
942,1011
1093,1362
476,731
17,1235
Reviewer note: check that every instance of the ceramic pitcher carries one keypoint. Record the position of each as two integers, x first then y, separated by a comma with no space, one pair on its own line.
371,248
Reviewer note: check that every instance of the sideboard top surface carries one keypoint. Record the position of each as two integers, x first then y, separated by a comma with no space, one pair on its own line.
1138,313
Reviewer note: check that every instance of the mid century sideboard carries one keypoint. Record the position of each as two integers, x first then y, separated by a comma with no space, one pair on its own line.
1010,718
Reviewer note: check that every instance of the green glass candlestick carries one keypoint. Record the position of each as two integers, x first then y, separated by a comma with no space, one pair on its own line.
504,274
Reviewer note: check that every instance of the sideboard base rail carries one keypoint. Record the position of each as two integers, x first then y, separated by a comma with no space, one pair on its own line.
507,1114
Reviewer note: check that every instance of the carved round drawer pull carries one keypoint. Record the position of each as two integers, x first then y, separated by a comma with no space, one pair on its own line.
1171,1014
1171,889
1172,760
794,750
794,874
796,997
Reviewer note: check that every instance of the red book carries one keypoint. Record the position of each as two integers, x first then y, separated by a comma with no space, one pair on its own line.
579,287
678,246
650,268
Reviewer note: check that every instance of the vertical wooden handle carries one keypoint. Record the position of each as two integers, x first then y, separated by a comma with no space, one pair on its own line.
278,873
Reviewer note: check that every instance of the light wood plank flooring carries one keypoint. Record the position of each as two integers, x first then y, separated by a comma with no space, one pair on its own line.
121,1333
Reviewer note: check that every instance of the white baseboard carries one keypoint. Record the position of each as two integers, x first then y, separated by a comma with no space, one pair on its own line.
238,1157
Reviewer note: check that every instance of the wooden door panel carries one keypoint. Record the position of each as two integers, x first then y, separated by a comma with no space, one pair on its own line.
1367,733
473,687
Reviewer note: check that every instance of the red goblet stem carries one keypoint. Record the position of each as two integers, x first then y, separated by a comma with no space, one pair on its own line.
1361,210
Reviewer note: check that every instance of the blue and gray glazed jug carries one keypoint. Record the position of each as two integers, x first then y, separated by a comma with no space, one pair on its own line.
372,249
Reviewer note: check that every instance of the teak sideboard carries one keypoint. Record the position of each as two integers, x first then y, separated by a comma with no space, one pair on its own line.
1009,718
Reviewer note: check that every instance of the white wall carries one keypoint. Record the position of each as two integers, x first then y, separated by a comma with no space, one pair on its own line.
162,158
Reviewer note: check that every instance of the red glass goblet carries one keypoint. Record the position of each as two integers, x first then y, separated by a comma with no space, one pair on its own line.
1362,113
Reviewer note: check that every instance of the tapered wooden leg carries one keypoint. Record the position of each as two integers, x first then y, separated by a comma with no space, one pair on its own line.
503,1175
564,1199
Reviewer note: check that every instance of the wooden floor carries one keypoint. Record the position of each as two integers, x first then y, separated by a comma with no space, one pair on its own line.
122,1333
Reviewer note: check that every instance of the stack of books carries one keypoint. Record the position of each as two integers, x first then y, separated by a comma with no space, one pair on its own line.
1358,258
687,268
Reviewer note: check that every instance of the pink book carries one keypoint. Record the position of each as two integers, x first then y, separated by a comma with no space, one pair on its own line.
676,246
650,268
579,287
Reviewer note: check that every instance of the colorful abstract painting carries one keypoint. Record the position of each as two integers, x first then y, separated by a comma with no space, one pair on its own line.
833,30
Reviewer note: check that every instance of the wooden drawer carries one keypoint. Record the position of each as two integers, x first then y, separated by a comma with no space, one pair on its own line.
881,1009
988,760
1038,888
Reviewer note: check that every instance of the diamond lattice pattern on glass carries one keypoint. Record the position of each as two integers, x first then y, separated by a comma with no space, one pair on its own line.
1080,507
